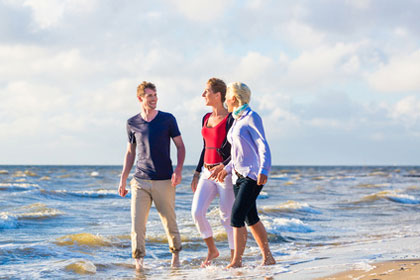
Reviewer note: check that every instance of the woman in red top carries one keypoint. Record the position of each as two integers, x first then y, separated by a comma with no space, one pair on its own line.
214,156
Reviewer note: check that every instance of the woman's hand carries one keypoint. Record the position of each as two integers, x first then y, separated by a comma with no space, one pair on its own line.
262,179
194,181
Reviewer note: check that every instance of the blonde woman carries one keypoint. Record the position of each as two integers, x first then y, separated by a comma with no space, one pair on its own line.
214,156
250,164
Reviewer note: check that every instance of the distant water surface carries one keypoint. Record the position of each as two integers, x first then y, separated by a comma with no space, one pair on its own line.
68,222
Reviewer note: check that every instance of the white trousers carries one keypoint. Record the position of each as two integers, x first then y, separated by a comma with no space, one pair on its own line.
206,191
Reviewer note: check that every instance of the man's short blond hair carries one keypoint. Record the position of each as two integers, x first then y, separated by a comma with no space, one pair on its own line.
143,86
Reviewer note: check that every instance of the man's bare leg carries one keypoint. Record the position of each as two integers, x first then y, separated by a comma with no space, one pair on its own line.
175,260
139,263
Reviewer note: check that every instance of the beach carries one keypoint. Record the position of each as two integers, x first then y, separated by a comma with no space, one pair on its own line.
68,222
390,270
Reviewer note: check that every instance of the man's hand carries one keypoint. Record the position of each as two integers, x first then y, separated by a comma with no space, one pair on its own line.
222,175
176,178
215,171
121,189
262,179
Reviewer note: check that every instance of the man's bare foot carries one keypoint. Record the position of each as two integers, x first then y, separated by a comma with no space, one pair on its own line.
235,264
210,257
268,261
175,260
139,264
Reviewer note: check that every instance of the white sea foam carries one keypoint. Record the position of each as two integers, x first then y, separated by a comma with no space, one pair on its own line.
7,222
263,195
403,198
392,196
88,194
94,174
32,212
81,267
290,206
363,266
18,185
277,225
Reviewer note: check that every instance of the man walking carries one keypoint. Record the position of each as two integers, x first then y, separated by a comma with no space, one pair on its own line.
149,135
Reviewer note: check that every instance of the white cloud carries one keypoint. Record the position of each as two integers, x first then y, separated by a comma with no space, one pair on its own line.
48,13
315,67
303,35
201,11
359,4
399,75
27,62
253,66
75,74
407,109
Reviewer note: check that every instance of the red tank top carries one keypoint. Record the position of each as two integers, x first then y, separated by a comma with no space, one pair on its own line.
213,137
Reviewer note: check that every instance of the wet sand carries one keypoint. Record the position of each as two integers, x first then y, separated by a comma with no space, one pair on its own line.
390,270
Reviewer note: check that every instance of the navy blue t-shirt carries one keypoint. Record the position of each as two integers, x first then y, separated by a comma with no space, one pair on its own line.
153,141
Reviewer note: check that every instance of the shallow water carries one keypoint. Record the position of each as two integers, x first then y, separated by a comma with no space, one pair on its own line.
68,222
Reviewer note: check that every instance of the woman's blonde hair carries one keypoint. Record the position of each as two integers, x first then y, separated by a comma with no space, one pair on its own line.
241,91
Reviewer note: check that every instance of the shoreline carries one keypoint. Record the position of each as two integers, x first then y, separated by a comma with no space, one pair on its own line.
407,269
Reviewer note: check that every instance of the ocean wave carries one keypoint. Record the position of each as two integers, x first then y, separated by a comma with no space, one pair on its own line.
372,185
4,172
85,239
289,206
283,176
85,194
8,222
25,173
318,178
263,195
392,196
94,174
81,267
17,186
278,225
36,211
379,174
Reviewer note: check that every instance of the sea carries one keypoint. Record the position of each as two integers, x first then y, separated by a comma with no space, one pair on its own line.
68,222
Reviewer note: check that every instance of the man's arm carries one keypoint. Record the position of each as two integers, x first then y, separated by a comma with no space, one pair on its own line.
177,175
130,156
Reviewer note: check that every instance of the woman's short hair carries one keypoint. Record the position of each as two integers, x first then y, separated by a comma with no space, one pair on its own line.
241,91
143,86
217,85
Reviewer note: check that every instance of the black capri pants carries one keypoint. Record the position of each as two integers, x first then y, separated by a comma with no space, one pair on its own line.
244,208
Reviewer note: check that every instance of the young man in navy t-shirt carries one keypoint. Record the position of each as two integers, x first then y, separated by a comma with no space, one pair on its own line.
149,135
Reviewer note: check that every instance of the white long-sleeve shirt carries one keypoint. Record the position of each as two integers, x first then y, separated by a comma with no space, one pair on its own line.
250,154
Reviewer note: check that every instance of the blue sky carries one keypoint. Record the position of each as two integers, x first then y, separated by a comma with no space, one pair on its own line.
336,82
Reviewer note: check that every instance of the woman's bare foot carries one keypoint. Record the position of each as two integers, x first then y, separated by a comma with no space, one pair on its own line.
268,261
210,257
235,264
175,260
139,264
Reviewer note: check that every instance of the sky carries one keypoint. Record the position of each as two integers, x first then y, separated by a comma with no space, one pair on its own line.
336,82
